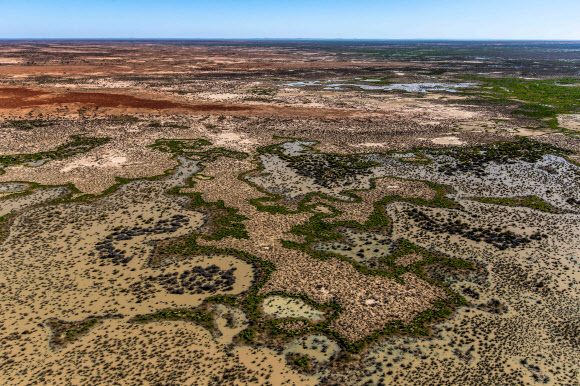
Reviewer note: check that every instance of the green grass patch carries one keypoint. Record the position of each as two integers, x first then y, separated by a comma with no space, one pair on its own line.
544,97
248,335
542,100
66,332
302,362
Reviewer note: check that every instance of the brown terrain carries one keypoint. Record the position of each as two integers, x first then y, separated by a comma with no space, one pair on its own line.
217,213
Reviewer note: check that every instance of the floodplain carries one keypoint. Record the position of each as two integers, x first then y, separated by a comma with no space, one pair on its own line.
289,213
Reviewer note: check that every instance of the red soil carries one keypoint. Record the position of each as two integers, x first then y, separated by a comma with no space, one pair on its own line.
18,97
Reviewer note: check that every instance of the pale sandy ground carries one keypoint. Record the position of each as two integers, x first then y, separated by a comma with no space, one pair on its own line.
569,121
451,140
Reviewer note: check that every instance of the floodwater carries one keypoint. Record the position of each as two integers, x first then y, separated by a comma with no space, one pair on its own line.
363,247
318,347
421,87
285,307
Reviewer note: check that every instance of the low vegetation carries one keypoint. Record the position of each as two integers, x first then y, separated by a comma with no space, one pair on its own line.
532,202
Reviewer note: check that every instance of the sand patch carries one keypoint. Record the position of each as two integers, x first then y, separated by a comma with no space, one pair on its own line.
448,141
106,161
569,121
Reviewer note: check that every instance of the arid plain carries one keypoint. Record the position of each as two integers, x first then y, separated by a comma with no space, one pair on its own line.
289,213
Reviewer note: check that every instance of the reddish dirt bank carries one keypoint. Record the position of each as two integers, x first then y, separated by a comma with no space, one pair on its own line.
18,97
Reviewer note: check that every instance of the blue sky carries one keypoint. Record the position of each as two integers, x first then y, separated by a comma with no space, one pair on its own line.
361,19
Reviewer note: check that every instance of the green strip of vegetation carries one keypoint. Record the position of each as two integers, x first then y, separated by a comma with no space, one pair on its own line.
27,124
79,144
65,332
196,149
339,166
420,325
263,91
197,316
224,222
81,329
4,221
532,202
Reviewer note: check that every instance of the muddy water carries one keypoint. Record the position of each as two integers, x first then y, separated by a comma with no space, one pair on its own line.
278,177
408,87
176,352
284,307
553,178
269,362
318,347
522,343
38,163
39,196
363,247
49,267
185,170
57,245
47,270
12,187
230,321
296,148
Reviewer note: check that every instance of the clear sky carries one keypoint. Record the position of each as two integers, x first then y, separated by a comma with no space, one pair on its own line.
361,19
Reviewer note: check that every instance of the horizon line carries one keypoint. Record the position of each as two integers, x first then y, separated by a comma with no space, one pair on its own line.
287,39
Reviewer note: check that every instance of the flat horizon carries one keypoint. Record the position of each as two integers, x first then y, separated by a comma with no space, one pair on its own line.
300,19
296,39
